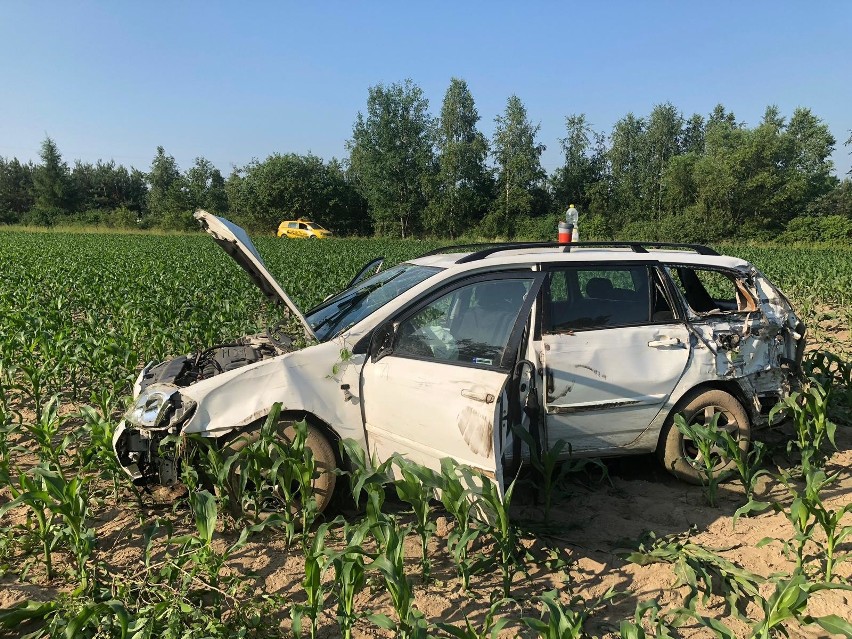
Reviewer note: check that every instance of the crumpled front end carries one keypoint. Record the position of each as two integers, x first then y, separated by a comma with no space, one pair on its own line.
160,411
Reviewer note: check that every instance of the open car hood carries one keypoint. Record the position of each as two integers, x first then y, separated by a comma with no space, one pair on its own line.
236,243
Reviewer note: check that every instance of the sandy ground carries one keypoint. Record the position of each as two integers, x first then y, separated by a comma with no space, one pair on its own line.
594,523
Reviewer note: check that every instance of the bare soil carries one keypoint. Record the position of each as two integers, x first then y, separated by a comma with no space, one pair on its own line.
595,521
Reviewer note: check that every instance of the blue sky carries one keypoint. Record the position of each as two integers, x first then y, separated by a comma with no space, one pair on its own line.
233,81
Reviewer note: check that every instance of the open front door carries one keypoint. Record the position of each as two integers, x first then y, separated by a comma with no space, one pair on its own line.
437,387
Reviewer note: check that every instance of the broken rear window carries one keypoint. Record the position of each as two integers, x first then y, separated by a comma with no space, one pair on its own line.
711,291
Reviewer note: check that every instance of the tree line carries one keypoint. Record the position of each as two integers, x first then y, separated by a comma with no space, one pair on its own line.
663,176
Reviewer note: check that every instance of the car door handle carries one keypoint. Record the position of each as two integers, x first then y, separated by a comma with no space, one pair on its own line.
665,341
479,396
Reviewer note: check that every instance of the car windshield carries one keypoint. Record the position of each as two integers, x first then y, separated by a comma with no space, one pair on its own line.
351,305
315,226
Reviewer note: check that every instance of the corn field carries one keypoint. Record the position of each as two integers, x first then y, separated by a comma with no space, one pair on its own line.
576,549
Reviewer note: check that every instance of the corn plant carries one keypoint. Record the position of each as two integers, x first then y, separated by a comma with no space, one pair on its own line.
94,449
710,443
831,371
787,603
410,622
369,480
349,574
808,513
71,617
545,463
30,493
747,461
698,568
491,624
45,432
7,429
503,530
416,487
559,621
457,498
70,502
317,561
219,470
809,410
301,463
35,382
264,477
634,629
195,569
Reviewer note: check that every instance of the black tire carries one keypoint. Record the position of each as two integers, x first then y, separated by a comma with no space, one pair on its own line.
323,453
677,453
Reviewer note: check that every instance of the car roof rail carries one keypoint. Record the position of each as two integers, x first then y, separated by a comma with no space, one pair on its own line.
483,250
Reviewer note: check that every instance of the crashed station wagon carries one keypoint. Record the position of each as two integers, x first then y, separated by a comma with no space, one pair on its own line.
595,344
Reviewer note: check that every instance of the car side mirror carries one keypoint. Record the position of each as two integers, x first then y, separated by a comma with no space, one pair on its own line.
382,342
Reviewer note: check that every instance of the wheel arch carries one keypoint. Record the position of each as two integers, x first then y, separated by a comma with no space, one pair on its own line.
324,427
730,386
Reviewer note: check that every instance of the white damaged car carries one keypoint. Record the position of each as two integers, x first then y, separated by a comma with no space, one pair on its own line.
599,345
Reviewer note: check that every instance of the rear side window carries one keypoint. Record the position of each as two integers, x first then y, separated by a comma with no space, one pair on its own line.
711,291
582,298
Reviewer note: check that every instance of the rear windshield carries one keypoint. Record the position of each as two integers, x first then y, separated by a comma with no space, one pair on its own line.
351,305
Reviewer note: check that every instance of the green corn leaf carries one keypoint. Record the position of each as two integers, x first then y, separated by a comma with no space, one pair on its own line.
27,611
205,512
833,624
382,621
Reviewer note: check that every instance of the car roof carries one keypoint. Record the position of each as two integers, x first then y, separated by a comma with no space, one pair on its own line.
534,255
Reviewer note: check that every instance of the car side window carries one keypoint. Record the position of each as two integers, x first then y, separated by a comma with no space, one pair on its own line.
583,298
303,226
711,291
293,225
470,324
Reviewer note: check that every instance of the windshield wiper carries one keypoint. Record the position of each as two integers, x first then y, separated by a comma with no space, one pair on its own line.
345,305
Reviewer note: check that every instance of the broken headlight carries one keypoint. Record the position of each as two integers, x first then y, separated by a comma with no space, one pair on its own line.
153,406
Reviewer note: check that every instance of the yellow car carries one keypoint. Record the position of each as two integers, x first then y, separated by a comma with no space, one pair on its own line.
301,228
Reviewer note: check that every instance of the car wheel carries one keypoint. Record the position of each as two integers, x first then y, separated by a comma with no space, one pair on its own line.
323,454
679,454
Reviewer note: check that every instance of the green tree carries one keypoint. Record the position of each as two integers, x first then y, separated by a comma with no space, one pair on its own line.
347,209
837,202
520,177
391,156
575,181
285,187
462,186
811,146
16,190
627,162
205,187
168,203
52,186
693,135
663,141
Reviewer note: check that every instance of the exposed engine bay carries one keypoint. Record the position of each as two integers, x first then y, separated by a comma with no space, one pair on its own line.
188,369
